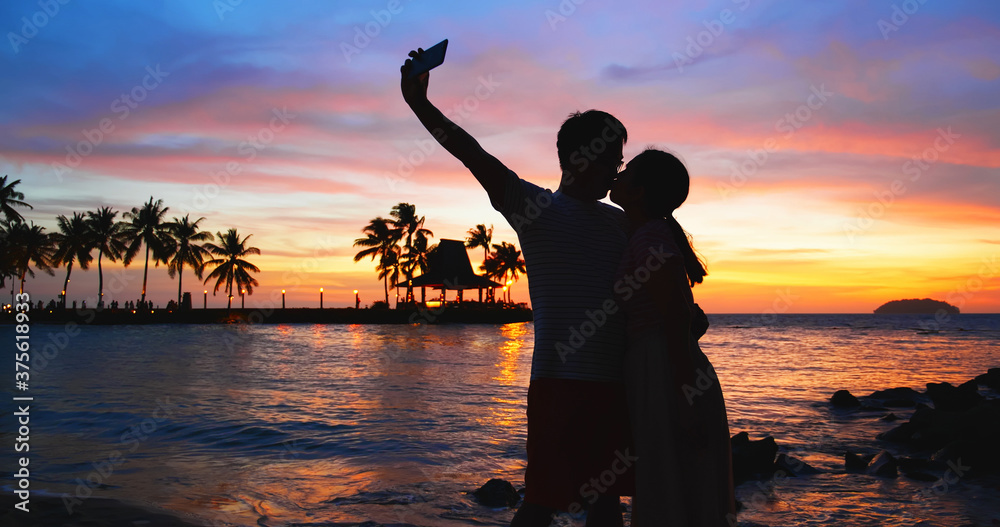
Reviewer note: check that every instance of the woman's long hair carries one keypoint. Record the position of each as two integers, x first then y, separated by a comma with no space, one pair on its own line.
666,183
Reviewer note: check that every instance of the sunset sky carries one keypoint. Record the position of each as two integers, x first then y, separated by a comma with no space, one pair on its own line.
842,154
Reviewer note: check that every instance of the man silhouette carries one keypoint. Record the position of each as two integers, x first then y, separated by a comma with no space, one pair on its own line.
578,444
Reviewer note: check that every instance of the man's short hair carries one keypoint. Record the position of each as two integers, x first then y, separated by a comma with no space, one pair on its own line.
592,129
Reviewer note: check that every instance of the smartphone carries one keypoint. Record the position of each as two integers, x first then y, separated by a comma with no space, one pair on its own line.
431,58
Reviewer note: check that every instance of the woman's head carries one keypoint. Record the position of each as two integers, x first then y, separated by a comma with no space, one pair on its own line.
654,184
655,181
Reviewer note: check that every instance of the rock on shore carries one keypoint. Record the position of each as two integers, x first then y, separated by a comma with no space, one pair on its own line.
497,493
844,399
759,459
952,427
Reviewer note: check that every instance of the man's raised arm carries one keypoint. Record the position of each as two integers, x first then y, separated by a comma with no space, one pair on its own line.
488,170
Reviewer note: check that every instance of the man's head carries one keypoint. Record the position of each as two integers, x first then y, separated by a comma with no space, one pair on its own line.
590,153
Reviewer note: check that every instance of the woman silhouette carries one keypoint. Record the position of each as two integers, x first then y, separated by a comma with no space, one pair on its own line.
678,415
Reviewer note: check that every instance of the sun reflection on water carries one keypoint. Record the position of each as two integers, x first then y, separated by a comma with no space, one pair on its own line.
510,353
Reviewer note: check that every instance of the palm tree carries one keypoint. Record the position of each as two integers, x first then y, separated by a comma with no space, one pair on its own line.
109,239
420,253
74,242
146,226
10,198
381,241
480,236
189,252
7,269
406,221
417,258
491,268
230,266
30,244
388,270
505,262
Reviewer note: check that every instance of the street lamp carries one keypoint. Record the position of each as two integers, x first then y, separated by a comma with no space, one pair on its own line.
243,299
282,299
321,298
357,300
204,305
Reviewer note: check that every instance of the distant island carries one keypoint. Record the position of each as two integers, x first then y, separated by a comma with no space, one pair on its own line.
921,306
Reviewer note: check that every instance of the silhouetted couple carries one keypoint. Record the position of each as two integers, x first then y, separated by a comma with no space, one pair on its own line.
614,404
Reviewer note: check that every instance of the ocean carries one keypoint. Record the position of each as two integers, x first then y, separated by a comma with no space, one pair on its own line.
309,425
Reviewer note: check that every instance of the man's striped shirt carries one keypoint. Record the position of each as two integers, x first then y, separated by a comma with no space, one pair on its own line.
572,250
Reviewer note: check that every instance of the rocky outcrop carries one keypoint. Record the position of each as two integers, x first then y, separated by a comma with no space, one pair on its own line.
844,399
990,379
497,493
759,459
791,466
958,431
904,397
951,398
752,459
884,465
857,462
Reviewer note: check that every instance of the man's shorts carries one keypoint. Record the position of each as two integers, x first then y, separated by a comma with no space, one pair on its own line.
579,443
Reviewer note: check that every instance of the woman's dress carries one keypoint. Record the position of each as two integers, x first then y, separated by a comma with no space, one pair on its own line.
680,431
